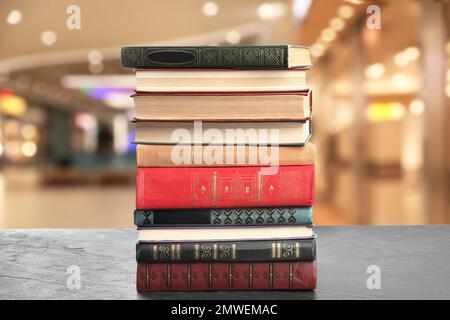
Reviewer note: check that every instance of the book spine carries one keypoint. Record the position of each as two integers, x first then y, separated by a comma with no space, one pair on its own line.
224,217
226,276
224,187
230,57
161,156
261,250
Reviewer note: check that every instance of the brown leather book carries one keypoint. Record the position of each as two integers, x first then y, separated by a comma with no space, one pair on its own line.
161,156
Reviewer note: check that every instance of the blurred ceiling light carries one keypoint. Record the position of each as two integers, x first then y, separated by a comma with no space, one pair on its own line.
317,50
119,100
400,59
48,37
98,81
399,80
328,34
96,68
417,107
13,105
29,149
233,37
354,1
385,111
300,9
28,131
95,57
374,71
346,11
412,53
210,9
14,17
337,24
271,10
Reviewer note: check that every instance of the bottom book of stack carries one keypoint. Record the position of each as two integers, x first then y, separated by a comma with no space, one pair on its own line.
226,258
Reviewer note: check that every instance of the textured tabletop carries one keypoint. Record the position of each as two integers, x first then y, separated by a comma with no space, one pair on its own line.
410,262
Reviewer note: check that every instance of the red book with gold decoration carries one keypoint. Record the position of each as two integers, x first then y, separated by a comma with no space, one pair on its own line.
226,276
224,187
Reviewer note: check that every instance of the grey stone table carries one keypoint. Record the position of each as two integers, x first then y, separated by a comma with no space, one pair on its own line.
414,262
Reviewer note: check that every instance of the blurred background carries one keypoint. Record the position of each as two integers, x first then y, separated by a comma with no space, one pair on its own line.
381,102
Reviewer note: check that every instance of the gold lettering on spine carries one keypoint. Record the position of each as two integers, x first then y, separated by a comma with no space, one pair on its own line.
297,249
250,275
271,275
196,252
215,251
178,251
259,186
233,251
230,276
169,275
210,275
290,275
155,252
189,275
278,250
172,251
274,250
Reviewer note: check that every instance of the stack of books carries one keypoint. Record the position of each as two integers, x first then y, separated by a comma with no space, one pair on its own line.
225,177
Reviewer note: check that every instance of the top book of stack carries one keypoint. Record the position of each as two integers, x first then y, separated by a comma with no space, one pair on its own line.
217,57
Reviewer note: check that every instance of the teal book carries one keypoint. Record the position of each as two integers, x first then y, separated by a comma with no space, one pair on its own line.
224,217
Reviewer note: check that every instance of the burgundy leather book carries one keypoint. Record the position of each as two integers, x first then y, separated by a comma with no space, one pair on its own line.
223,187
226,276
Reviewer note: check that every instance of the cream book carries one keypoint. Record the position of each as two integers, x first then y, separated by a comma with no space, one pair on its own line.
203,80
161,156
237,106
222,133
225,234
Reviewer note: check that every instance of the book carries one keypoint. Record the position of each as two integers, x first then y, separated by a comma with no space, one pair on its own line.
225,81
225,251
224,217
221,133
161,156
226,276
209,106
224,187
225,233
216,57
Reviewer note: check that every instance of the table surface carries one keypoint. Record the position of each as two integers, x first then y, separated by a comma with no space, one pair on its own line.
414,263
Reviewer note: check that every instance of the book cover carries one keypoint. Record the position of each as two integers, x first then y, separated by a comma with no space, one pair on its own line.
161,156
224,187
260,250
226,276
216,57
224,217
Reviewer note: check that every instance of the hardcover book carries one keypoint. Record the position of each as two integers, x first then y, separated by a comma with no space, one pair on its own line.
257,250
216,57
161,156
226,276
225,81
221,133
243,106
224,187
224,217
